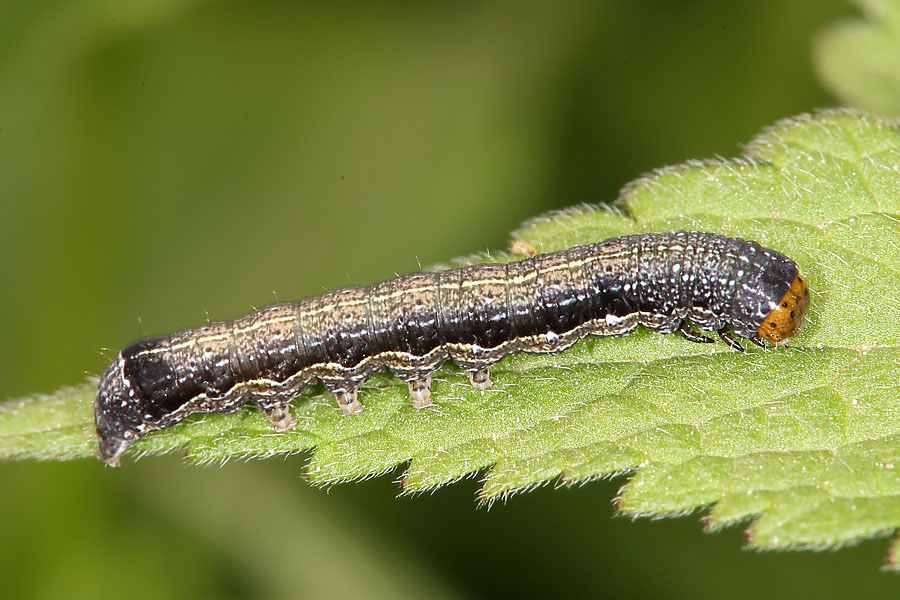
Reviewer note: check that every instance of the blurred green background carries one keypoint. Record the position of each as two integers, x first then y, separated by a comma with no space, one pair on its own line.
164,163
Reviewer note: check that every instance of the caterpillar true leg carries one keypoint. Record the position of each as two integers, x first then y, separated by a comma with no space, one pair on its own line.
728,337
692,336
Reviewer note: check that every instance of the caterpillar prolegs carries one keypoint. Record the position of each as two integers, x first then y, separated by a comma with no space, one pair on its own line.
474,316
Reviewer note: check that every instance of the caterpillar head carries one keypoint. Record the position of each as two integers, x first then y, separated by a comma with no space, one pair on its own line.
116,414
785,320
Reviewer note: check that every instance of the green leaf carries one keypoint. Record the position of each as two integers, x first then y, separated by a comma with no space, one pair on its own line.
805,440
859,60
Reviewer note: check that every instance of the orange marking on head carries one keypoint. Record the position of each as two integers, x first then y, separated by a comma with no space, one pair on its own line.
786,319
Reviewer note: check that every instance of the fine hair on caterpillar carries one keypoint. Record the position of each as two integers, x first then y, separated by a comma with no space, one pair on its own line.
474,315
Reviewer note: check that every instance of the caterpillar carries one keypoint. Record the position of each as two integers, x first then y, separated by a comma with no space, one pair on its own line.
474,315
